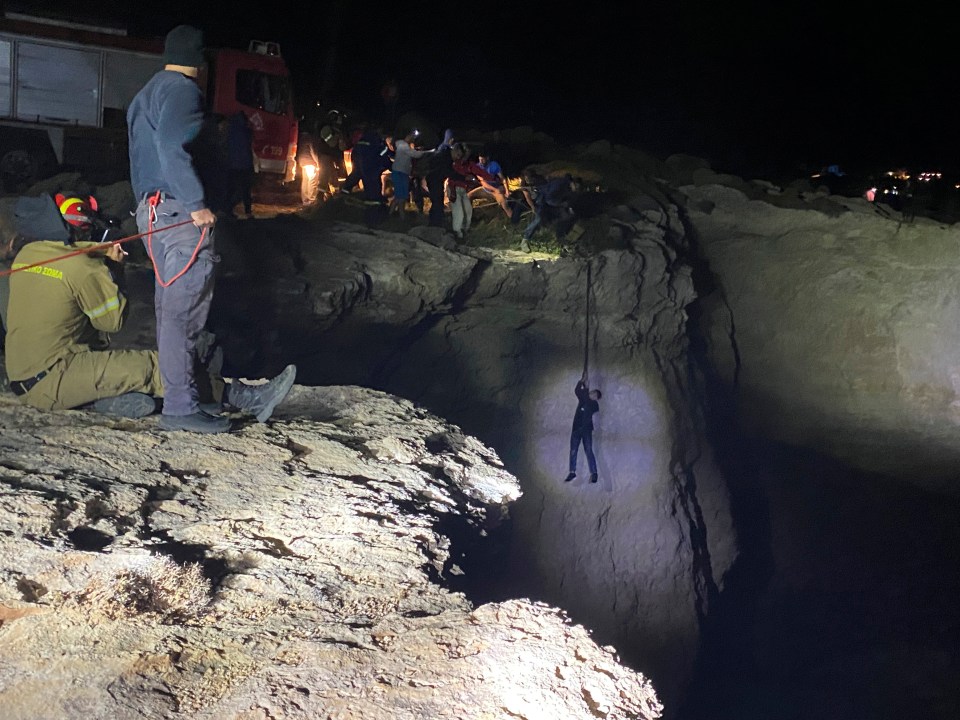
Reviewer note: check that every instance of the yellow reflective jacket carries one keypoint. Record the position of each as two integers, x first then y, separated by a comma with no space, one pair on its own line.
59,309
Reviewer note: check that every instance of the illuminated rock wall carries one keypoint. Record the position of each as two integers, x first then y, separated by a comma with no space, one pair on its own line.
846,329
496,345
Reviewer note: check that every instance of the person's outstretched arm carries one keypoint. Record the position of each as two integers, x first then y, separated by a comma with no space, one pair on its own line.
581,389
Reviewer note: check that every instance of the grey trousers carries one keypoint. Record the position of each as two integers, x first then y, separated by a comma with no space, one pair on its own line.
183,306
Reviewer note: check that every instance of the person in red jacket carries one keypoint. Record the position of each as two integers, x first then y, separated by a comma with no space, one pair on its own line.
465,176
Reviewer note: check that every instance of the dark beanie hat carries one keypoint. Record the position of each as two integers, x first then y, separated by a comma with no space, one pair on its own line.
184,46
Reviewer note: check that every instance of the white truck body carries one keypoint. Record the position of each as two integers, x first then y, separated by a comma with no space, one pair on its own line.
54,91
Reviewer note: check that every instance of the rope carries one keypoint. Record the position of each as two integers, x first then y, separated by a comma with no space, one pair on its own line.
98,246
154,201
586,339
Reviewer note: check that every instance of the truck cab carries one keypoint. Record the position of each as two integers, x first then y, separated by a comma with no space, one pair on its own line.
65,88
257,83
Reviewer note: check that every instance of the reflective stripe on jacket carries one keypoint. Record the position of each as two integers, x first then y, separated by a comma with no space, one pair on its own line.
60,308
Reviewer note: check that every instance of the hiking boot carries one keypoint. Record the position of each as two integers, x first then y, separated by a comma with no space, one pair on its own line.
262,399
524,246
198,422
593,477
128,405
570,477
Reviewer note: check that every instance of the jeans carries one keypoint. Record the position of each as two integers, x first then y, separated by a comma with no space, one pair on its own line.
183,306
584,435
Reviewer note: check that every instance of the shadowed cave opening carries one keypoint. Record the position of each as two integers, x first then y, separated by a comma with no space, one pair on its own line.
842,601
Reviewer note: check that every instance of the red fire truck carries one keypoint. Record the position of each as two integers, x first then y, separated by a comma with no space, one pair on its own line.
257,82
65,88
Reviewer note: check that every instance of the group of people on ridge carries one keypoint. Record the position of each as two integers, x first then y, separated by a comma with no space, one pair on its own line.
449,175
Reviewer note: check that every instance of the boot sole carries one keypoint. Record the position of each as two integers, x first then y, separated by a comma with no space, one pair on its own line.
287,377
176,423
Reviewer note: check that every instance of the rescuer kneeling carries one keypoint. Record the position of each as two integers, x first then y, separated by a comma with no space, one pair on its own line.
60,317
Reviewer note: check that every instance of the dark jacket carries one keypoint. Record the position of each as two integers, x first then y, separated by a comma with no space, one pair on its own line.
163,119
366,153
555,192
583,419
239,142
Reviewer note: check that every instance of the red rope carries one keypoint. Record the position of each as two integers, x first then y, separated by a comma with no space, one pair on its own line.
154,201
99,246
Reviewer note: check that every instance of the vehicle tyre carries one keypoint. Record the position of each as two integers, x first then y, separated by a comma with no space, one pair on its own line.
19,168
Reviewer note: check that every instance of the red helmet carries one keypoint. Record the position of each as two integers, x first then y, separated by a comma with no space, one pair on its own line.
76,211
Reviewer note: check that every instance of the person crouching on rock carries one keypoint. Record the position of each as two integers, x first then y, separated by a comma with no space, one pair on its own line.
61,314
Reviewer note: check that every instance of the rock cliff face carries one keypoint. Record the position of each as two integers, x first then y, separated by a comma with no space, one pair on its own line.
495,343
301,569
839,326
797,300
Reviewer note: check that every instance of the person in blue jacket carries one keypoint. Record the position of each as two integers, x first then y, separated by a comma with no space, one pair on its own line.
551,203
164,120
582,430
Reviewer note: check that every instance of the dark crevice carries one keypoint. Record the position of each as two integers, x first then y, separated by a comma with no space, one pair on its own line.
380,377
86,538
687,505
727,629
482,556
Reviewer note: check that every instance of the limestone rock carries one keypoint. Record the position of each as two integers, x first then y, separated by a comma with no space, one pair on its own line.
297,569
846,328
496,346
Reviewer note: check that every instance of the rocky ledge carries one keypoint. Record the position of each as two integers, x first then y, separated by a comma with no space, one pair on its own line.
307,568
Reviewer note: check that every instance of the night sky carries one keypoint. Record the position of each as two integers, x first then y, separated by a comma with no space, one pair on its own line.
751,85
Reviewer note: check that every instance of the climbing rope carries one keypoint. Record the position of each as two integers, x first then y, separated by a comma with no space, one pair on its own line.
155,201
98,246
586,339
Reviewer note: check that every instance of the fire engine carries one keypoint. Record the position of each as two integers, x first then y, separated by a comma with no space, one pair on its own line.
65,88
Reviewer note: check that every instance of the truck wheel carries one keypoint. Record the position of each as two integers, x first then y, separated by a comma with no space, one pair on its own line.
18,169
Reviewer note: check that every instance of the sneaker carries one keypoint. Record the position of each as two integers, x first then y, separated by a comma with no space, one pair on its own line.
198,422
128,405
570,477
593,477
261,400
524,246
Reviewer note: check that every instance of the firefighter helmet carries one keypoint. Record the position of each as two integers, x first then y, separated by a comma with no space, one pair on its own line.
76,211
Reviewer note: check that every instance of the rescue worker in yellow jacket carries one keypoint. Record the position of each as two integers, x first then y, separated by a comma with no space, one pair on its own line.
60,317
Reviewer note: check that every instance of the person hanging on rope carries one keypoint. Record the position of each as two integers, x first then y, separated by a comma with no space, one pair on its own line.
582,431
